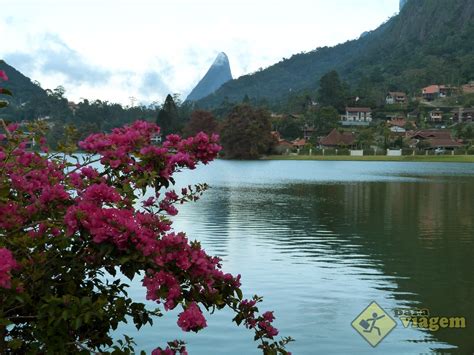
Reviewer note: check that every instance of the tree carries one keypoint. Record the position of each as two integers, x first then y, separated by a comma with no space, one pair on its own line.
201,121
246,133
290,127
365,138
168,117
331,91
323,120
68,225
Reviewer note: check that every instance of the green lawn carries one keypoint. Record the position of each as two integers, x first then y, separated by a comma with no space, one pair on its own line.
416,158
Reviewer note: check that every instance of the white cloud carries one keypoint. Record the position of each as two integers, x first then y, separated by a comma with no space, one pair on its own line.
114,49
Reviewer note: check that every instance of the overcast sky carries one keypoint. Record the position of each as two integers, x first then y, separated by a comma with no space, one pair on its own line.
116,49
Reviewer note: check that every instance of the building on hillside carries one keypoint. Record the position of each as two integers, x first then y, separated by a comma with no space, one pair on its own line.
156,139
434,92
435,138
468,88
72,106
283,146
463,115
308,132
398,125
398,130
336,139
435,116
357,116
396,97
397,122
299,143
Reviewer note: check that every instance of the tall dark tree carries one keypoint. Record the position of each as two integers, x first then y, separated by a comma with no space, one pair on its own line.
168,117
289,127
323,120
331,91
201,121
246,133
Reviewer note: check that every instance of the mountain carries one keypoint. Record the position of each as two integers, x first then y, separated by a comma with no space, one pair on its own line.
428,42
218,74
402,3
22,87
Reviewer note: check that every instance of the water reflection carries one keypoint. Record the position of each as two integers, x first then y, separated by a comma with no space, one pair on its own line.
321,241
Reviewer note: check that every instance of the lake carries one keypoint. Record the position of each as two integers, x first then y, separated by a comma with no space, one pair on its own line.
322,240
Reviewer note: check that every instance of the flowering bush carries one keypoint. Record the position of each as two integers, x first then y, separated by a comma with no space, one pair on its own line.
67,227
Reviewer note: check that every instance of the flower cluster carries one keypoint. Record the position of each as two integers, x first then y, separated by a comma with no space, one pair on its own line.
73,221
192,319
7,264
3,75
173,348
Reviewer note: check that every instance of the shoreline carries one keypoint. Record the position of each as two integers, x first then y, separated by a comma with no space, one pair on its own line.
405,158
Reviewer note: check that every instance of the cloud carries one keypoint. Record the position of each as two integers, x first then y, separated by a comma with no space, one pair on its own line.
56,57
21,60
153,85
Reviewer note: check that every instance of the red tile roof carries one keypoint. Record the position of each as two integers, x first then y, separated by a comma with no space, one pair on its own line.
444,143
284,143
336,138
432,89
399,122
437,138
432,133
299,142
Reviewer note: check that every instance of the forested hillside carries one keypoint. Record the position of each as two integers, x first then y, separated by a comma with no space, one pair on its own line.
430,41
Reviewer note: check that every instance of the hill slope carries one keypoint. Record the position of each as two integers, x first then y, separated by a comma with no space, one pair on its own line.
430,41
218,74
23,89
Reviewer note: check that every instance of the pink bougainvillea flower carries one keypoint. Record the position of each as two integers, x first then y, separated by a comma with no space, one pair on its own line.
3,75
7,264
192,319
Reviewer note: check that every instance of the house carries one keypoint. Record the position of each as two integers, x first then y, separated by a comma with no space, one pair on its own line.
397,125
357,116
396,97
463,115
398,122
435,138
72,106
398,130
431,92
299,143
308,132
468,88
283,146
336,139
156,139
434,92
435,116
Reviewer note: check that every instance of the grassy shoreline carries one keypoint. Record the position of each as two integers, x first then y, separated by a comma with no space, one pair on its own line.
405,158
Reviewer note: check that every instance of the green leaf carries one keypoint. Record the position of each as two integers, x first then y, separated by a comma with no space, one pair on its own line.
15,344
77,323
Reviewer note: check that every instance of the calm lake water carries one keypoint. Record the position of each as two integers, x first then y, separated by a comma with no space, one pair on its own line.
321,240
